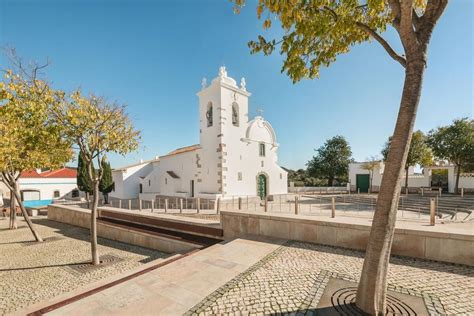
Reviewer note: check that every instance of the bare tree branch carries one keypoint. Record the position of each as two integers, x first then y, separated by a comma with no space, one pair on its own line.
31,71
382,42
374,34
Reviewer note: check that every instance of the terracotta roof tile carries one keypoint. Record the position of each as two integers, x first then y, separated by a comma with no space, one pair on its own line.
30,174
182,150
59,173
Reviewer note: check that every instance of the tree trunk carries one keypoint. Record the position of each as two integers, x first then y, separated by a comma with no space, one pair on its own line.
87,199
330,182
370,184
458,173
95,204
13,224
406,179
25,215
371,292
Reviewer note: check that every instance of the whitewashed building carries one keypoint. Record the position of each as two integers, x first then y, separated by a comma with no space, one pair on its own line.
236,156
39,188
127,179
432,176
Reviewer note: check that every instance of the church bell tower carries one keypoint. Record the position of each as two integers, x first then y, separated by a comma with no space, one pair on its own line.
223,121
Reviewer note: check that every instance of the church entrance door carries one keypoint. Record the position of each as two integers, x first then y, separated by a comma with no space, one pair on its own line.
262,186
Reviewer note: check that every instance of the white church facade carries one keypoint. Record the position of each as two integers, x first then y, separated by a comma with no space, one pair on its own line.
236,156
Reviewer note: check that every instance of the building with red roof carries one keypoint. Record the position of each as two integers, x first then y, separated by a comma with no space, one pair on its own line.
40,187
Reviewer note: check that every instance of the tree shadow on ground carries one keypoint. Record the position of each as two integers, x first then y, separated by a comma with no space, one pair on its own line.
83,234
46,266
438,266
5,229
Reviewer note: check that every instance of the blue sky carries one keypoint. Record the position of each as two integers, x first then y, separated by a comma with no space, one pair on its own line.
152,55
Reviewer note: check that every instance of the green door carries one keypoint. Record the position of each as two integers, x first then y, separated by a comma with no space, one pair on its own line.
262,186
362,182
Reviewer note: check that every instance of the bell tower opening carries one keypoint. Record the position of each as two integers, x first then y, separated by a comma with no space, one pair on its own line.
235,114
209,114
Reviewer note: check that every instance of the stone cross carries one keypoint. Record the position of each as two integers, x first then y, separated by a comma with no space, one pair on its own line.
260,112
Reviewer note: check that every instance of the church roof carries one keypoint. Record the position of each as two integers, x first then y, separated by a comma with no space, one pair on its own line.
183,150
141,162
177,151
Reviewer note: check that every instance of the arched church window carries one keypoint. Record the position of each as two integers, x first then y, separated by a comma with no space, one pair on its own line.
209,114
235,114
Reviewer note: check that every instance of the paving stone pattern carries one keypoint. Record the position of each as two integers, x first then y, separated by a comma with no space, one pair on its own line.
292,279
31,272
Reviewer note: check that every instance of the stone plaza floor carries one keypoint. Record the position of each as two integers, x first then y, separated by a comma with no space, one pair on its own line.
271,277
31,272
292,279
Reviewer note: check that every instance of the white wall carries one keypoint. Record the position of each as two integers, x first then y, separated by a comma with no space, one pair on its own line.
160,182
466,181
3,189
47,186
417,181
356,168
414,181
245,158
207,174
127,180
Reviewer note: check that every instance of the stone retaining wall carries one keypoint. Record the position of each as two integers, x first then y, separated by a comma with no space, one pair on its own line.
440,246
81,217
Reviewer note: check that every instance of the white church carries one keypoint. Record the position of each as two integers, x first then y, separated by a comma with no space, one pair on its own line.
236,156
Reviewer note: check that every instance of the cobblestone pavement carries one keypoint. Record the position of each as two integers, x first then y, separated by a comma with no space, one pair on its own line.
293,277
31,272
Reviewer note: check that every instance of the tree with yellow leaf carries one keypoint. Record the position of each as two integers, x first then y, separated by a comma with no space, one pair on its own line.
29,137
97,128
315,33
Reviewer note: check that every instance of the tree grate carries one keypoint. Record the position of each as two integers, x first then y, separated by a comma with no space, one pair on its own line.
343,301
83,268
